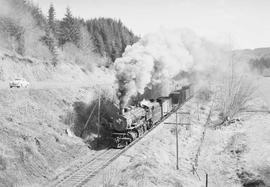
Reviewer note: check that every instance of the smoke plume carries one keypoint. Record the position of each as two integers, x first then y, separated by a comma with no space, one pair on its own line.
162,60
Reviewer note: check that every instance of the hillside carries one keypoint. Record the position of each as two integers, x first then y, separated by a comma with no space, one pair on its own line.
13,65
35,141
258,59
31,33
253,53
37,124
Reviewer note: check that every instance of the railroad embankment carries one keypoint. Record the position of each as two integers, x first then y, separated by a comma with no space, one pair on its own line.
36,140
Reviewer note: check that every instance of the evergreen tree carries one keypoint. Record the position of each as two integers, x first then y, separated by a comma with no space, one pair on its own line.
99,43
69,29
110,37
51,19
50,41
50,33
36,12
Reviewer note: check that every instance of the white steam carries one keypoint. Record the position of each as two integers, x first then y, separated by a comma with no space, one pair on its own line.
162,57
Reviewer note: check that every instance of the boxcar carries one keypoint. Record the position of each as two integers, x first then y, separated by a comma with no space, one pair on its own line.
156,112
165,104
177,97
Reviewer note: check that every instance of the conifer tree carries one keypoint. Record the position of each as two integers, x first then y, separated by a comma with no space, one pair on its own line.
51,19
110,36
69,29
50,33
99,43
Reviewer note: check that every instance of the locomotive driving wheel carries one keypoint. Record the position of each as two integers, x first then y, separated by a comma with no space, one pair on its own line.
120,143
149,124
132,135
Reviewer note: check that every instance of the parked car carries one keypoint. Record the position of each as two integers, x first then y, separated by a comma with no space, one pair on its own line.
19,83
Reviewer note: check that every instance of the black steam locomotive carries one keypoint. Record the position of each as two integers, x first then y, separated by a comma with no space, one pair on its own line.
132,122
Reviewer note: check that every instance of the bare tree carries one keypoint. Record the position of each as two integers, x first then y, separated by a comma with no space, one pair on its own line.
235,94
235,97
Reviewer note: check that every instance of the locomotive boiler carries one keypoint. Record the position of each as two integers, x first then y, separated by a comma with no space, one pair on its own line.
132,122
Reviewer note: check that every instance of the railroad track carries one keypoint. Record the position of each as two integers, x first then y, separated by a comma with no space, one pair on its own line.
82,175
66,176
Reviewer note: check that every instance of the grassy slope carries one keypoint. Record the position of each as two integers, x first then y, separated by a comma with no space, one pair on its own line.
34,142
13,65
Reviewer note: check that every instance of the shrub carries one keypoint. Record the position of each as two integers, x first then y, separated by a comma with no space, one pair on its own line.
234,97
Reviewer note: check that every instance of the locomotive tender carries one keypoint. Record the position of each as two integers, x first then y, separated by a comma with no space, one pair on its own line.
133,122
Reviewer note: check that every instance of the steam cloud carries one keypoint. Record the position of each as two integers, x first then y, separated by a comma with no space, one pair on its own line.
161,58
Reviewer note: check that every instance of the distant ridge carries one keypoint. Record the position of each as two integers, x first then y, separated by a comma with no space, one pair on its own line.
253,53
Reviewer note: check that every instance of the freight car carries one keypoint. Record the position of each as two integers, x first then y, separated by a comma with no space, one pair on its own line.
133,122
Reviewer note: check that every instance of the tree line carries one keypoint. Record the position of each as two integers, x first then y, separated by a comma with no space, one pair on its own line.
260,64
105,36
109,37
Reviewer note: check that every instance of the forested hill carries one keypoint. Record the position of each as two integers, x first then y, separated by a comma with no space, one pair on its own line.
258,59
110,36
26,30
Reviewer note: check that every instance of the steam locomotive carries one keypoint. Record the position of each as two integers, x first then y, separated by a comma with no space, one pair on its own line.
132,122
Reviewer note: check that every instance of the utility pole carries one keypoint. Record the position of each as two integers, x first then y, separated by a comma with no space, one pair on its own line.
86,123
98,116
176,133
176,137
206,179
176,129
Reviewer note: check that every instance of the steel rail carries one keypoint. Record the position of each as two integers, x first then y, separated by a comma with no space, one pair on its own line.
90,169
58,181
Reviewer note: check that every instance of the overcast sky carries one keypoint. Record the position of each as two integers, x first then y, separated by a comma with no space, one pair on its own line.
245,23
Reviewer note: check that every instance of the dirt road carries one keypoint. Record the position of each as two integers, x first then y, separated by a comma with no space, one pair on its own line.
48,85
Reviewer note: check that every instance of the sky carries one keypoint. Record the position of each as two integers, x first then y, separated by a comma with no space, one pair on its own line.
242,23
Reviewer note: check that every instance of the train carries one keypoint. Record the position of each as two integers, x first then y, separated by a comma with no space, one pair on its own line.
130,123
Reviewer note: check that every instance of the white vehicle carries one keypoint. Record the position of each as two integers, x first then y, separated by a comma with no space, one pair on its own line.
19,83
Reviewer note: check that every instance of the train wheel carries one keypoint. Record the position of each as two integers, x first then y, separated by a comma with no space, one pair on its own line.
149,125
115,143
121,145
144,128
132,135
